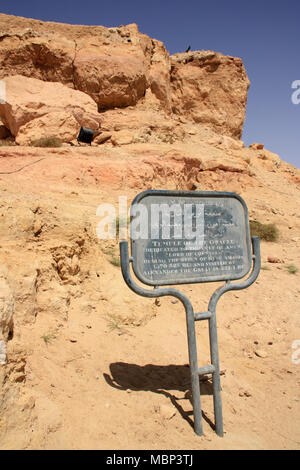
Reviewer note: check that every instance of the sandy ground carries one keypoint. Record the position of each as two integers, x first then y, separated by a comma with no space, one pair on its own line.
91,365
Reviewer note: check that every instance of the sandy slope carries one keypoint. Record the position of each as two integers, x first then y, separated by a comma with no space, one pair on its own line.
93,366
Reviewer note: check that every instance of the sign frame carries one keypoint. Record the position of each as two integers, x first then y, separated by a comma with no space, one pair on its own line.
213,368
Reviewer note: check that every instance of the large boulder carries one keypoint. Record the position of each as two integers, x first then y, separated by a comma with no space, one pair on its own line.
28,53
59,124
210,89
110,64
33,105
111,80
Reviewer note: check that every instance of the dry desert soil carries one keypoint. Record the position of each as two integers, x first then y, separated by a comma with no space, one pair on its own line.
90,365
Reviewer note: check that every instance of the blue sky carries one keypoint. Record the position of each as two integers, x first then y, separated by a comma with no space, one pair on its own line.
265,34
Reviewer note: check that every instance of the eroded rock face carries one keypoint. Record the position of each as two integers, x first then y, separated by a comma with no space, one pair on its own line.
210,89
25,51
159,77
111,80
121,67
32,105
60,124
109,64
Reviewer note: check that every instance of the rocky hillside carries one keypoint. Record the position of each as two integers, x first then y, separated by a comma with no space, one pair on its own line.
117,68
84,362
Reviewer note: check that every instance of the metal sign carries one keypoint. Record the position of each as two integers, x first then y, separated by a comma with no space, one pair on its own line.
180,237
191,237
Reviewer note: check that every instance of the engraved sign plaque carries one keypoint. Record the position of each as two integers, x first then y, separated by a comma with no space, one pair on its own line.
182,237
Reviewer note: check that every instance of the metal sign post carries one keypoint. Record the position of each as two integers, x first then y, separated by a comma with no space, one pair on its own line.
192,237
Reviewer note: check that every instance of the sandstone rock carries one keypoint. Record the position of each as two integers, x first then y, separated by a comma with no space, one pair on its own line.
60,124
271,157
122,138
224,164
256,146
88,119
211,89
145,125
103,137
27,52
110,64
28,48
29,98
67,262
274,260
112,81
230,143
159,76
121,67
15,369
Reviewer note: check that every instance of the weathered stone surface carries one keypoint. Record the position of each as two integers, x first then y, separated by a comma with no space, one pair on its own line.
28,52
60,124
28,99
159,77
110,64
231,144
102,137
211,89
256,146
111,80
145,125
122,137
225,164
121,67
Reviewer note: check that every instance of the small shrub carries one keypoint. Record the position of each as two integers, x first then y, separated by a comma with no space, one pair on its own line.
265,268
114,322
48,337
292,269
50,141
115,261
267,232
113,258
108,251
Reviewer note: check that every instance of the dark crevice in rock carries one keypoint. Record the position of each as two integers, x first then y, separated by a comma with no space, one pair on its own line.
73,66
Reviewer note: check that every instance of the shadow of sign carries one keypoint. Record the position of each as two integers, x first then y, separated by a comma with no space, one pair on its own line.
164,380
